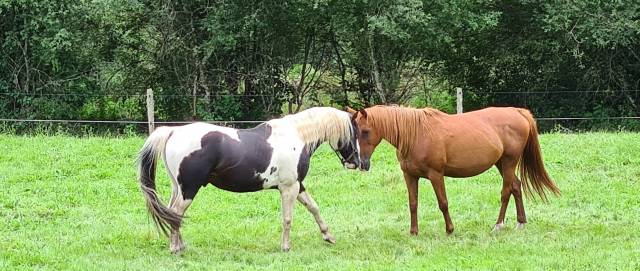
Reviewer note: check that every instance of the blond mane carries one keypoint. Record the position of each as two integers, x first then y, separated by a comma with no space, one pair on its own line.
319,124
401,126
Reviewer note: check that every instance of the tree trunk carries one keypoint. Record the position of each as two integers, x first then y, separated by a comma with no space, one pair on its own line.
341,67
376,72
299,88
290,106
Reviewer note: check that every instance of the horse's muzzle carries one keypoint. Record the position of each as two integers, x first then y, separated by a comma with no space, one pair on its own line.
350,165
365,165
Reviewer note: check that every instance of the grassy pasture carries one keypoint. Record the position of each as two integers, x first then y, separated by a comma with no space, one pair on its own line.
74,203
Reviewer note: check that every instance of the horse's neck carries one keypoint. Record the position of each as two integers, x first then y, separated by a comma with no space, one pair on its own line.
313,144
402,139
392,137
309,134
312,147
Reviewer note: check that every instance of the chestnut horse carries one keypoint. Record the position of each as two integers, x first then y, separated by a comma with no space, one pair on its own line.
433,144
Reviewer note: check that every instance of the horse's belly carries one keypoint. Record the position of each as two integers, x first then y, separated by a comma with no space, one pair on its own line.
471,154
471,163
461,172
238,182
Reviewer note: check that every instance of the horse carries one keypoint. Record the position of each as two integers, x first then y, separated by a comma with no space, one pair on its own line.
272,155
432,144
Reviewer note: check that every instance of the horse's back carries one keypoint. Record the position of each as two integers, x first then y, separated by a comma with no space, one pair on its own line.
509,124
189,138
501,120
496,116
478,139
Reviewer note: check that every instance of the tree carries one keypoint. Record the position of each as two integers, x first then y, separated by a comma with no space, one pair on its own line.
388,44
549,48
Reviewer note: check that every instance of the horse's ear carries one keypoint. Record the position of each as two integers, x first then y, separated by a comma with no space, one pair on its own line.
350,110
364,113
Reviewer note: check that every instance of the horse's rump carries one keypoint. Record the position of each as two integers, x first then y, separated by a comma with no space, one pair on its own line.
473,142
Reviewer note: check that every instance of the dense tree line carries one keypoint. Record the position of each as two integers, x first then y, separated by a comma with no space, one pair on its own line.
245,60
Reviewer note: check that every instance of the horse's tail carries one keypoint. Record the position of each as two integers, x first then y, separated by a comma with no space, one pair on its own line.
532,171
163,217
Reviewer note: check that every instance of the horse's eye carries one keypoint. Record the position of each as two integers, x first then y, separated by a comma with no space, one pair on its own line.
365,133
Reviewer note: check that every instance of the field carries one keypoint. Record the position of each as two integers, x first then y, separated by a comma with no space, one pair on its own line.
74,203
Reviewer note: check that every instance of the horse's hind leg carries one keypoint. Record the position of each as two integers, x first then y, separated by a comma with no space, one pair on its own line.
179,205
306,200
184,189
517,195
507,169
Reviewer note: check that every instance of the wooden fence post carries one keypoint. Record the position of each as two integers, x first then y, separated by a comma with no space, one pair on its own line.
150,110
459,100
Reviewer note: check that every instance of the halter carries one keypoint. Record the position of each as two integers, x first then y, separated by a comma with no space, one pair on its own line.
343,160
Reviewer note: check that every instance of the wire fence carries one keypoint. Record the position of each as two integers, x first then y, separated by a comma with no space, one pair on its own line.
36,94
268,95
245,123
558,91
131,121
253,121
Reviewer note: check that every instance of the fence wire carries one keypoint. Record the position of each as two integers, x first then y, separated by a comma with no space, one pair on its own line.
133,121
252,121
233,122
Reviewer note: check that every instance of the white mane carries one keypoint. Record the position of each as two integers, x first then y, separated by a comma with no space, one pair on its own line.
319,124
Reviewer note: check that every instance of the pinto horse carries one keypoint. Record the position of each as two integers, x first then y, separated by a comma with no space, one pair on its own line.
433,144
273,155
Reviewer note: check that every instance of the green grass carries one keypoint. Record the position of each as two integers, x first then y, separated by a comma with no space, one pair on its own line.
74,203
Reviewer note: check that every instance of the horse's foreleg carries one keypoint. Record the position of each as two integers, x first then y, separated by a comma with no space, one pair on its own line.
306,200
412,189
437,181
288,194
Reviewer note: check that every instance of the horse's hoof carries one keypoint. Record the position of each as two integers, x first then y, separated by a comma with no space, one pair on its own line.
329,238
177,250
285,248
520,226
498,227
413,232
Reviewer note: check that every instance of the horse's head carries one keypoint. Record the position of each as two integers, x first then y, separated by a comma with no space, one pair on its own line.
368,136
348,149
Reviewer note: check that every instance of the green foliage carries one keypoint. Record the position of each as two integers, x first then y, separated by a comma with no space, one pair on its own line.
107,108
226,108
554,47
253,60
434,98
431,92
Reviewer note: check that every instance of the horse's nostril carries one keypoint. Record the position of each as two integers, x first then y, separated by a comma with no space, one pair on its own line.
364,165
